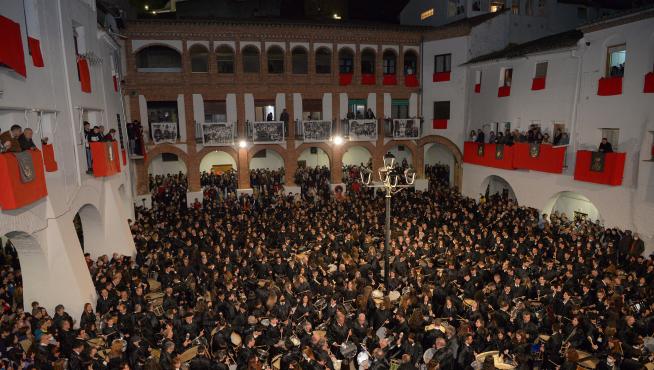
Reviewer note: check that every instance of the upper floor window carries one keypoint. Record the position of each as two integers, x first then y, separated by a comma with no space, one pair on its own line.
159,58
541,70
300,60
367,61
455,7
323,61
410,63
275,60
199,58
443,63
442,110
225,59
612,135
250,56
346,61
389,62
506,76
615,59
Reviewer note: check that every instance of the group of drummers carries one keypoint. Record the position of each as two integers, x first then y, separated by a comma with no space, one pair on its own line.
284,283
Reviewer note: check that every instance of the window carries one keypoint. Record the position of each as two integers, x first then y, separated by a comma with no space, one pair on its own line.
323,61
225,59
541,7
496,5
582,13
426,14
250,59
345,61
455,7
399,108
275,60
358,107
410,63
215,111
264,108
477,77
441,110
368,62
159,58
515,7
541,70
615,59
162,111
506,76
312,109
300,61
199,58
529,7
442,63
612,135
389,62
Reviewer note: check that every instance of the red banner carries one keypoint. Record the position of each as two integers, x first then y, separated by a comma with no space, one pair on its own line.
441,76
367,79
477,88
345,79
609,172
390,79
16,194
503,91
411,80
439,124
11,51
49,158
609,86
538,83
106,158
84,74
539,157
649,83
491,155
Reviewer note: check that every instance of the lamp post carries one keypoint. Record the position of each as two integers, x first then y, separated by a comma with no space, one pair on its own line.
389,180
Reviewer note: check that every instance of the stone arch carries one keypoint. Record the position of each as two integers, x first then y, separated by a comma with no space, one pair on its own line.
142,178
497,184
210,149
92,236
167,148
33,265
411,146
158,57
277,157
274,147
569,203
457,169
325,148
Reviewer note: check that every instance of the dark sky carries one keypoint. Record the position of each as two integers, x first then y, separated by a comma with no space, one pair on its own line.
377,10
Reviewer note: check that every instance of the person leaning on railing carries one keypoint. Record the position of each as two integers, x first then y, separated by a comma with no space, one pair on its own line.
9,139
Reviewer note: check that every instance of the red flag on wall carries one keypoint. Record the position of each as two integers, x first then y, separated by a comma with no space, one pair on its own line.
84,74
11,46
33,32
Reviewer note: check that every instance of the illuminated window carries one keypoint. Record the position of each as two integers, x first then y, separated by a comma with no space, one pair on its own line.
506,76
426,14
615,58
541,70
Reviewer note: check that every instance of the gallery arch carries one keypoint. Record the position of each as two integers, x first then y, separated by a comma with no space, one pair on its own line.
496,185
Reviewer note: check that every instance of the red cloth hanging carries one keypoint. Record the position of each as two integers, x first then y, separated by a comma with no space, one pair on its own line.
649,83
390,79
411,80
609,86
612,172
35,49
115,83
49,158
16,194
124,152
503,91
441,76
11,49
538,83
439,124
84,74
368,79
477,88
345,79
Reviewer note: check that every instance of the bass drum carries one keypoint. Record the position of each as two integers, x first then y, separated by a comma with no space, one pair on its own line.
277,362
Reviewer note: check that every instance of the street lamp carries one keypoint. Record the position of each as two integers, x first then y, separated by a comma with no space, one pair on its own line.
389,180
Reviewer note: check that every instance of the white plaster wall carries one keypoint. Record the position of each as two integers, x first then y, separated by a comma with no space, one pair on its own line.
216,158
198,109
297,106
280,104
230,102
342,100
568,203
272,161
387,105
372,104
327,106
159,167
355,156
313,160
249,107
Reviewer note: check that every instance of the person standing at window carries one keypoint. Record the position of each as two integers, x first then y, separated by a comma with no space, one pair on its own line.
605,146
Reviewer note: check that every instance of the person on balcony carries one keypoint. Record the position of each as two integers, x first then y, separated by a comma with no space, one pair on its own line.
9,139
605,146
110,136
480,136
369,114
85,138
25,140
270,117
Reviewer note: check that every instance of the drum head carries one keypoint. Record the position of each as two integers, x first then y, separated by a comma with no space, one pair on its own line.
381,333
428,355
362,357
394,295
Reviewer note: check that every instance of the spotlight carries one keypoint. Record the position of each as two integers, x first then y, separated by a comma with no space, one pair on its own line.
338,140
147,7
242,144
336,16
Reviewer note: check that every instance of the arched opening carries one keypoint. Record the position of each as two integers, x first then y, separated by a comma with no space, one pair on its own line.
368,61
166,164
439,164
323,61
389,62
573,205
90,230
225,59
275,60
167,178
266,159
199,58
313,157
251,60
346,60
496,186
26,267
403,156
357,155
410,63
300,60
158,58
217,162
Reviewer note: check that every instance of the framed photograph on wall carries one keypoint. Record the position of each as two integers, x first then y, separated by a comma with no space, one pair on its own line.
217,134
406,128
317,131
164,132
268,132
363,130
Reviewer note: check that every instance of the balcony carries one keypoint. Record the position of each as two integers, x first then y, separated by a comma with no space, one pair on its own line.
106,158
600,168
489,155
411,80
389,79
539,157
609,86
17,190
441,76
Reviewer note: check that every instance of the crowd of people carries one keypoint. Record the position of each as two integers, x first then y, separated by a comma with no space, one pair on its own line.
533,135
168,189
438,174
284,282
313,181
267,180
219,183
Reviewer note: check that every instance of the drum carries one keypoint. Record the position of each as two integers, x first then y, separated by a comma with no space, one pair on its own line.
155,353
235,338
428,355
96,342
381,333
362,358
277,362
499,363
468,303
154,296
262,354
189,354
544,337
586,360
394,295
295,340
155,286
348,350
320,333
482,356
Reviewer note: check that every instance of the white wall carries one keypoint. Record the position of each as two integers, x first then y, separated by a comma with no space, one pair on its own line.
438,154
569,202
272,161
313,160
159,167
216,158
401,155
355,156
496,185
